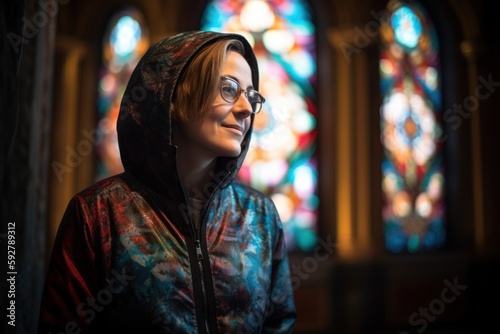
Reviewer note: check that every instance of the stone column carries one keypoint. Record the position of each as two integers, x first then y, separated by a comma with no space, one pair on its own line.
355,47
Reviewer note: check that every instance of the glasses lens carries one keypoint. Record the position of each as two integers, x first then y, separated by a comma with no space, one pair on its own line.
255,100
256,106
229,90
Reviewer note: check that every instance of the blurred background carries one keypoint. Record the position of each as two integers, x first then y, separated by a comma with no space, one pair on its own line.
376,144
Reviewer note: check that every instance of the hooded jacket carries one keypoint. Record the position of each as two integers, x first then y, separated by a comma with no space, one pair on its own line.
128,257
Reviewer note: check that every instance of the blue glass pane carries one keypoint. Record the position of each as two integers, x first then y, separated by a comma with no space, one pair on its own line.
407,26
124,38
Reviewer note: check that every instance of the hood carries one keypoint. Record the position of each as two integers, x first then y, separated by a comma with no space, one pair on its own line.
144,124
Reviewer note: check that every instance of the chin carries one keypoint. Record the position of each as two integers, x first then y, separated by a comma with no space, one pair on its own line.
231,153
225,148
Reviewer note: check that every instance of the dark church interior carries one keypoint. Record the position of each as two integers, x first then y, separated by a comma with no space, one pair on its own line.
358,264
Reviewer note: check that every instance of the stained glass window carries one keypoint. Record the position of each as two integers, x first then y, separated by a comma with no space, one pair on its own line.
413,175
125,41
281,161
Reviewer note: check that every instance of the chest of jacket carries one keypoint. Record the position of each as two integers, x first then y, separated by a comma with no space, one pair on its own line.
168,276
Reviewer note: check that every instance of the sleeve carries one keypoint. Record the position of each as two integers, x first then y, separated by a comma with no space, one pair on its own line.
281,313
73,277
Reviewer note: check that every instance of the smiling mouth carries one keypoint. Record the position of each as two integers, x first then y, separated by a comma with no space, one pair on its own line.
234,128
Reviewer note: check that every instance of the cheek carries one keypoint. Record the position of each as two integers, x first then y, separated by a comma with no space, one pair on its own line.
217,113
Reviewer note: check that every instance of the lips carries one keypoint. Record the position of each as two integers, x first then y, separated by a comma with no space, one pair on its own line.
234,128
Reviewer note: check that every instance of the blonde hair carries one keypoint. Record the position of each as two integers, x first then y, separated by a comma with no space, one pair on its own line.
198,87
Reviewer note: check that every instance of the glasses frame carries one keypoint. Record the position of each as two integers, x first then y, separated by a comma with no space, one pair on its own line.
238,93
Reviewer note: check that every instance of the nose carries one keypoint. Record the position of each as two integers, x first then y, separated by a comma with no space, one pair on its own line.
242,106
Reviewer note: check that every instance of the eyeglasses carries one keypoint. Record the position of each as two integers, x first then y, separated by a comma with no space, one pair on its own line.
230,90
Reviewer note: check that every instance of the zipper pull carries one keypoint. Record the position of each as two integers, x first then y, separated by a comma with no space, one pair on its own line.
199,255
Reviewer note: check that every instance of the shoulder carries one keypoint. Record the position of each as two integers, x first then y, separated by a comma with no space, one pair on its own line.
91,210
110,191
119,185
105,186
245,192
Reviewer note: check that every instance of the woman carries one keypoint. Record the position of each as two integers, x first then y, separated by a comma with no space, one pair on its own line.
174,244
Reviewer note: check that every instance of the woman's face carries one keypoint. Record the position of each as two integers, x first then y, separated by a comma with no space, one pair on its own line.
220,132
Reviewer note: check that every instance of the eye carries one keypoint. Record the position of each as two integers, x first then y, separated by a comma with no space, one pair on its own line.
229,90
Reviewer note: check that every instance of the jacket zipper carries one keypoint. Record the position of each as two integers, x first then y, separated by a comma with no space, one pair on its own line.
199,257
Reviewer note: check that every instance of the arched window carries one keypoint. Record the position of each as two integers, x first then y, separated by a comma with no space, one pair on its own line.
125,41
281,161
413,176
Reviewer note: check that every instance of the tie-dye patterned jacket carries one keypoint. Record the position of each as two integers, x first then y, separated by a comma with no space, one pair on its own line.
127,257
